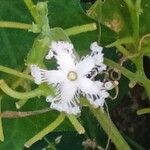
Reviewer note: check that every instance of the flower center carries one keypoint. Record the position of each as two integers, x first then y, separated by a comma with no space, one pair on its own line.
72,76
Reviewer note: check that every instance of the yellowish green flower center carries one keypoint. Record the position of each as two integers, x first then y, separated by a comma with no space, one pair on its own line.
72,76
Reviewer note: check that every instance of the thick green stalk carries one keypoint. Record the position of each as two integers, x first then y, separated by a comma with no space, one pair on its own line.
46,130
129,3
77,125
20,103
16,25
19,95
15,73
30,5
134,12
1,126
143,111
110,129
80,29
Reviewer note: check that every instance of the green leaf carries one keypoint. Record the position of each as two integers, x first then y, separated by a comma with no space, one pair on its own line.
112,14
18,131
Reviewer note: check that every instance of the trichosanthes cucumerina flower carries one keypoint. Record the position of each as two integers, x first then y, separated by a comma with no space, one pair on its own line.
74,77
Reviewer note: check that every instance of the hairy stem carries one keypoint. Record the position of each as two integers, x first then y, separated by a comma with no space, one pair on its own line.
15,73
19,95
16,25
46,130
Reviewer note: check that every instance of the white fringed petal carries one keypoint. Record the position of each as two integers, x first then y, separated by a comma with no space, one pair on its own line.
35,72
65,61
99,99
53,76
94,91
88,86
62,46
66,102
96,53
85,66
49,55
67,91
65,107
95,47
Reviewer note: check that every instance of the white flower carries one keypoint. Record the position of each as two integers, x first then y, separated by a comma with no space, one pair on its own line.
73,77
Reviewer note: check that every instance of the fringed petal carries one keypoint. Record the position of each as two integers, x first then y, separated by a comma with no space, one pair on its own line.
88,86
52,76
85,65
97,99
95,91
66,107
36,73
65,61
96,53
63,52
67,99
49,55
98,57
62,46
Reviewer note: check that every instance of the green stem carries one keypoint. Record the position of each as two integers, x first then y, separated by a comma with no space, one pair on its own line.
80,29
21,114
77,125
134,18
123,50
20,103
1,127
30,5
140,44
19,95
146,86
46,130
15,73
132,143
110,129
137,15
129,3
143,111
16,25
125,40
